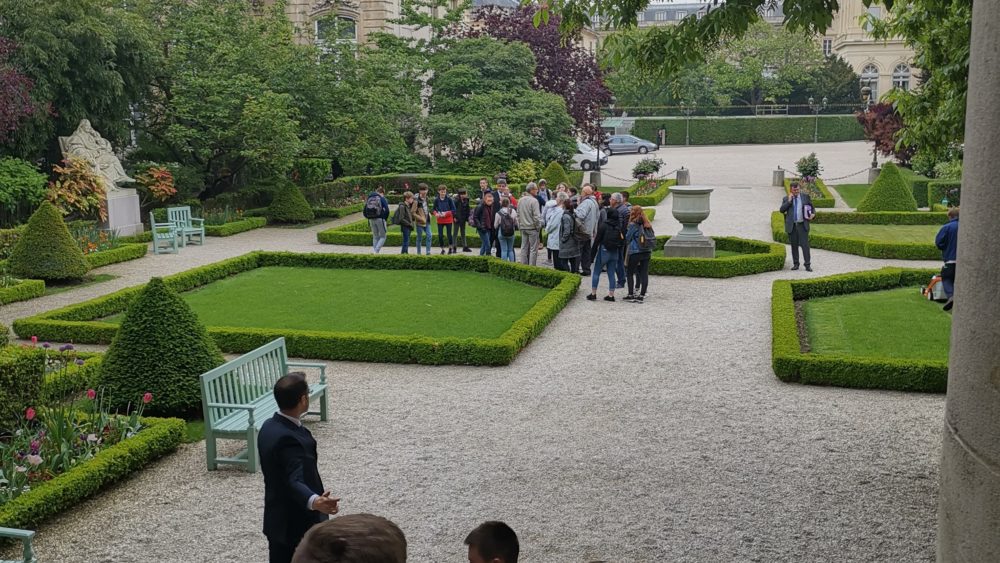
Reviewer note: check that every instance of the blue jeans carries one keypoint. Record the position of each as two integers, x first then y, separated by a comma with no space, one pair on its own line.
620,270
605,258
407,232
424,232
486,242
507,248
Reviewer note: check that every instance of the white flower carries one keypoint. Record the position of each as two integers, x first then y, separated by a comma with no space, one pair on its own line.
20,469
34,460
92,438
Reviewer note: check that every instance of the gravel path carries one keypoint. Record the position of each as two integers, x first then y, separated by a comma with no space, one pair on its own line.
652,432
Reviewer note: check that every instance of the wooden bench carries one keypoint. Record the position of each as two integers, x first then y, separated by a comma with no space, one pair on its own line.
25,536
187,226
163,232
238,396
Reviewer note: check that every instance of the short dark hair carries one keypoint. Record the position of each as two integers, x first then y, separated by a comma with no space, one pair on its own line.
573,190
793,185
422,186
356,538
494,540
380,189
289,389
624,195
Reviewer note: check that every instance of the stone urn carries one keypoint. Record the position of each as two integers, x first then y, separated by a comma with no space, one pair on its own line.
690,208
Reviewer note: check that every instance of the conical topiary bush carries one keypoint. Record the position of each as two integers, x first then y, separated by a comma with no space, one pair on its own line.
46,250
555,174
289,206
161,348
890,192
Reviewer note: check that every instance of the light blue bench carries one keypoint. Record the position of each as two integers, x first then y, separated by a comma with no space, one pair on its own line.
186,225
238,397
165,233
25,536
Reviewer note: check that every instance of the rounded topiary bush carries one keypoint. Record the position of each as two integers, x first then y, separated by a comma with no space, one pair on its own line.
46,250
289,206
890,192
555,174
161,348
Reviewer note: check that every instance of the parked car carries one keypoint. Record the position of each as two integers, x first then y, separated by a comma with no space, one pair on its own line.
586,156
619,144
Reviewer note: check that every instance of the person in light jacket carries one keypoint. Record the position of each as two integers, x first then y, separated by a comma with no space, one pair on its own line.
589,212
529,222
553,225
508,213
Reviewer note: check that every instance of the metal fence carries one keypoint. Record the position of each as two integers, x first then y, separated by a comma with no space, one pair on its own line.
730,111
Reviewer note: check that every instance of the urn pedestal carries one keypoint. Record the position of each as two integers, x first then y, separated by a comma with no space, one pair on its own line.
690,207
123,212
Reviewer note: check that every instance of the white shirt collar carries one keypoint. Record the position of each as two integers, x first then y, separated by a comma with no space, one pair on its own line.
292,418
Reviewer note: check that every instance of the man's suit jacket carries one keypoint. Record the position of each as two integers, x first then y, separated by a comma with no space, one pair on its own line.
288,462
786,208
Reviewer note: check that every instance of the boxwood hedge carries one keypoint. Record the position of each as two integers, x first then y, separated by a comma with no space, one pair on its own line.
24,289
792,364
755,257
866,247
652,198
750,130
123,253
77,323
825,201
235,227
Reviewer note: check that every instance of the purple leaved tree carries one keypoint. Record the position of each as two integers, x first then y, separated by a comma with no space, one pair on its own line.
15,93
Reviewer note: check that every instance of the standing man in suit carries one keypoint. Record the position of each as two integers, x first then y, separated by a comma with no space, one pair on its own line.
294,498
798,210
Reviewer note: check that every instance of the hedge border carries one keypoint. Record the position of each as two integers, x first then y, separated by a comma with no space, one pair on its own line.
826,201
937,189
790,364
24,290
861,247
123,253
159,437
76,323
653,198
235,227
756,257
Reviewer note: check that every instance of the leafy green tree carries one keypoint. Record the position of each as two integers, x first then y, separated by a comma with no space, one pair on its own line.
835,80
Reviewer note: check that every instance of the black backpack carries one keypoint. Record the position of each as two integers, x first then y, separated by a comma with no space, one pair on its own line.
647,239
373,207
507,224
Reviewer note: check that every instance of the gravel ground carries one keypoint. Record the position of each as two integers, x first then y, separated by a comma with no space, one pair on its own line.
625,432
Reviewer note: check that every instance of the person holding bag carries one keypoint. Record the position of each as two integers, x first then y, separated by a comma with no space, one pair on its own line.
420,222
404,218
444,211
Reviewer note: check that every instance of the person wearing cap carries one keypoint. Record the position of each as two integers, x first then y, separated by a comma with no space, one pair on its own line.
462,212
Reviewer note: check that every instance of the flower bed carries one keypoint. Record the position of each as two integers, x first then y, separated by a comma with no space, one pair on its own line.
648,192
754,257
792,364
817,190
866,247
80,323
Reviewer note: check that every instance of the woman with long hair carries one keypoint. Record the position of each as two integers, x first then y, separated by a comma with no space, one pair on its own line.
639,241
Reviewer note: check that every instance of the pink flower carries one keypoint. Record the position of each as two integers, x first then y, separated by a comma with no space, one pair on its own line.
34,460
147,398
29,414
35,445
34,340
20,469
91,394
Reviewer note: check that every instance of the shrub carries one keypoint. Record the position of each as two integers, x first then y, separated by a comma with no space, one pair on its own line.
310,171
8,240
20,382
817,190
78,190
948,170
161,347
648,193
290,206
890,192
753,130
918,185
646,167
21,290
236,227
555,174
940,190
866,247
21,186
46,251
122,253
523,171
809,166
755,257
4,336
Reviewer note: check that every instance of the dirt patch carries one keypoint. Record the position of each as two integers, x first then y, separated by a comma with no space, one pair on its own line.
800,324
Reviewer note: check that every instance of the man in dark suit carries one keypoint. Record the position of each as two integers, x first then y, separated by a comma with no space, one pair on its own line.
798,210
294,498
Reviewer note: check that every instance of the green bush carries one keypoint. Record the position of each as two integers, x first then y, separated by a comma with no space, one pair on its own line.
865,247
8,240
122,253
161,347
59,385
523,171
752,130
939,190
21,291
755,257
64,492
235,227
575,178
20,383
555,174
826,201
918,185
652,198
46,250
337,212
4,336
310,171
890,192
290,206
881,218
22,186
791,364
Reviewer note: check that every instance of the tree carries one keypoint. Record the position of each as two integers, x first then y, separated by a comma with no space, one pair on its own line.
16,104
562,67
883,125
835,80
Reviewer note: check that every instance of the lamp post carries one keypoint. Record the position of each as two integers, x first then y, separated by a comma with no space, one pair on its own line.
866,99
600,141
816,108
688,110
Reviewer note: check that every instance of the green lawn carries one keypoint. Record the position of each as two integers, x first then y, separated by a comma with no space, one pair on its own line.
431,303
885,233
852,193
896,323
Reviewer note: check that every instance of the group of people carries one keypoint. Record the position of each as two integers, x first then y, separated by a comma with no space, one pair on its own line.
297,507
582,231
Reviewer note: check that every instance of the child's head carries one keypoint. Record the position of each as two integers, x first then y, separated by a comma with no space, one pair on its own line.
442,190
407,195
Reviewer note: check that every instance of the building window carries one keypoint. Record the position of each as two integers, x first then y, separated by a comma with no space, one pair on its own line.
681,14
827,46
660,16
338,29
875,13
901,77
869,77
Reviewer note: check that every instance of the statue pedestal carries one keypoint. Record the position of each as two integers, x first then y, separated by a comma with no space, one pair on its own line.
701,247
123,213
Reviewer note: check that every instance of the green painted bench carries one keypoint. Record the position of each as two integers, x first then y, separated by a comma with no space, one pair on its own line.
238,396
163,233
186,225
25,536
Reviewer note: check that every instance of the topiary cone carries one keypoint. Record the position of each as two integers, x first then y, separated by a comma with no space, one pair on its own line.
555,174
890,192
290,206
46,250
161,348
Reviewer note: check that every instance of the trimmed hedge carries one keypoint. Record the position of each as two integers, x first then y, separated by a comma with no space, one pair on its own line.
74,379
62,493
790,364
20,384
338,212
755,257
46,250
290,206
938,190
826,201
76,323
890,192
123,253
864,247
752,130
235,227
22,291
918,185
554,174
652,198
881,218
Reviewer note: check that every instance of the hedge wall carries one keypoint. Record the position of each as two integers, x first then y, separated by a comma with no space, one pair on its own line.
918,184
881,218
235,227
756,257
826,201
76,323
59,495
359,233
23,290
862,247
752,130
938,191
790,364
20,384
124,253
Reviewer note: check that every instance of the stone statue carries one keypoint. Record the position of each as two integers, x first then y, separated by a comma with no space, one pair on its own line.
86,143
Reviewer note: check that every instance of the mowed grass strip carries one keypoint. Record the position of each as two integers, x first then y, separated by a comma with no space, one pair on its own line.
852,194
896,323
433,303
883,233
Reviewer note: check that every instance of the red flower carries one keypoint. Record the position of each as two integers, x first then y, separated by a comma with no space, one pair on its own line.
91,394
29,414
147,398
34,340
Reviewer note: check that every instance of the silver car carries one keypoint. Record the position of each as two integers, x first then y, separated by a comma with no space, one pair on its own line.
619,144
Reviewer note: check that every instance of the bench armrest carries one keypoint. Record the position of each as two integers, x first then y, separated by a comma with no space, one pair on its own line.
16,534
196,220
320,367
231,406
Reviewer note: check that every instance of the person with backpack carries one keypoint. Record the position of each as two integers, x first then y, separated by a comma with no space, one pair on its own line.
640,240
623,214
444,212
483,220
607,245
462,216
423,219
587,211
506,222
404,218
376,210
568,257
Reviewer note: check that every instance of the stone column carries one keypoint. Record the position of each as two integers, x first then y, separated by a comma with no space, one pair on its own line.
969,511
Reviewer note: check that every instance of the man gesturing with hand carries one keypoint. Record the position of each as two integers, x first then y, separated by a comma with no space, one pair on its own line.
798,210
294,498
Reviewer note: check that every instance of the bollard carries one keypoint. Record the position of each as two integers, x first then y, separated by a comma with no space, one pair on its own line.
595,178
683,177
778,178
873,174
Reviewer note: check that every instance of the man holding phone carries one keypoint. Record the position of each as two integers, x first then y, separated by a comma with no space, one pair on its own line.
799,211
